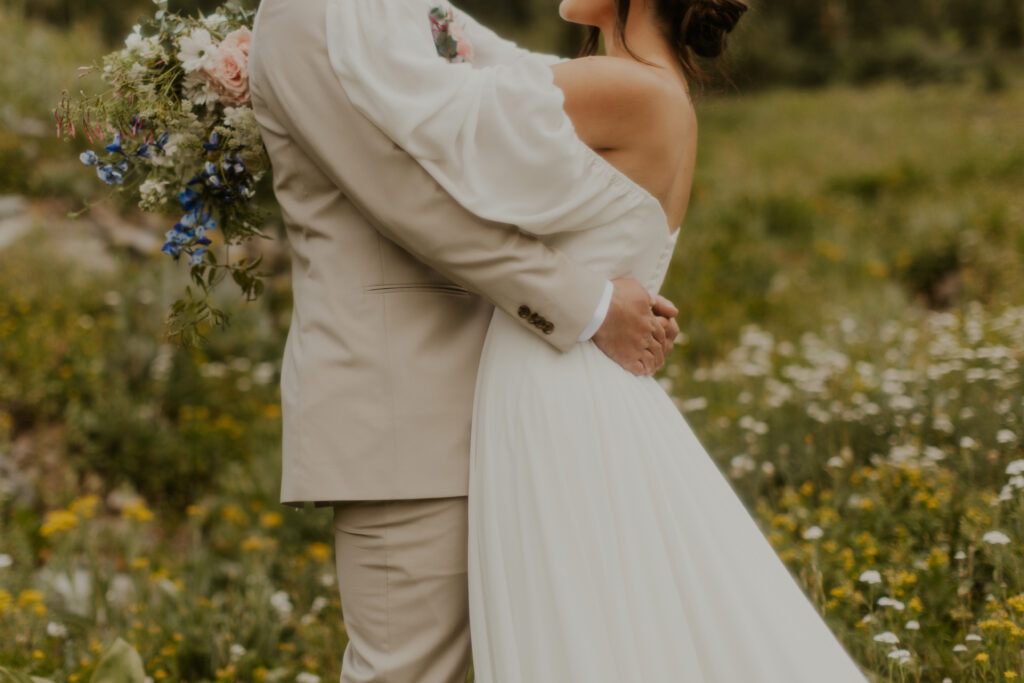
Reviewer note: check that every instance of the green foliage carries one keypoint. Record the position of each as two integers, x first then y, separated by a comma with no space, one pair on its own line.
120,664
85,351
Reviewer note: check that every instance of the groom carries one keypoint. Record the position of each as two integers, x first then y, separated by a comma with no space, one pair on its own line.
394,284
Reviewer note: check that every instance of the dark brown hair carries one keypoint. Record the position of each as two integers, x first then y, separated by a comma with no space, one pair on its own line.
693,27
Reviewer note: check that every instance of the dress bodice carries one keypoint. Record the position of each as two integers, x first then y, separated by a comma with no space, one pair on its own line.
629,238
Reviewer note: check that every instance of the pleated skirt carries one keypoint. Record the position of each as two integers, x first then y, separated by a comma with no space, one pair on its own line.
606,546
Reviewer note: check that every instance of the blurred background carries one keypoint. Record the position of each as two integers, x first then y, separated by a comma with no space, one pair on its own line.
850,279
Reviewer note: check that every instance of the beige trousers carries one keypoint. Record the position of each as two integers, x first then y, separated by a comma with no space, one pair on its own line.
402,577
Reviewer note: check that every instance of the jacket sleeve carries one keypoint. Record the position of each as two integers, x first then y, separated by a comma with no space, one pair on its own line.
296,94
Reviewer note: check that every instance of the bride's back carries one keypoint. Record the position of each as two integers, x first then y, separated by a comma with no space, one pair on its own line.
640,119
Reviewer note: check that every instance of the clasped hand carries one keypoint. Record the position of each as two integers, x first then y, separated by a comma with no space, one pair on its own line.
639,331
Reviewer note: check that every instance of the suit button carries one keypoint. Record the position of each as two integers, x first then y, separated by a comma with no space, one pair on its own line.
548,328
524,311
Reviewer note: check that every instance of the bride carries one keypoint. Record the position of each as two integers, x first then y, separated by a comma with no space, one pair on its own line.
605,545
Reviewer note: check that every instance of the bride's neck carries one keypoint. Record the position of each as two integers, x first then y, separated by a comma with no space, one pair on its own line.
646,41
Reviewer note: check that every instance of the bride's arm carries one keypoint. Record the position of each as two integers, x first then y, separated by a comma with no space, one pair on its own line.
496,138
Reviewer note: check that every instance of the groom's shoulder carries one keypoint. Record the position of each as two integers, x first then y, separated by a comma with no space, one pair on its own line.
290,27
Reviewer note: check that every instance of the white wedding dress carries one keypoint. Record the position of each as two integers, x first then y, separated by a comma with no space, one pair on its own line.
605,546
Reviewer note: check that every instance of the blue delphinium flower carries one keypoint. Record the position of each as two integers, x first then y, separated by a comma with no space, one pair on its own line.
115,146
233,164
214,144
190,199
109,174
171,249
89,158
197,256
143,151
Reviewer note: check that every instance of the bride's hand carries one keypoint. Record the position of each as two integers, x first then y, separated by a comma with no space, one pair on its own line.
667,312
633,334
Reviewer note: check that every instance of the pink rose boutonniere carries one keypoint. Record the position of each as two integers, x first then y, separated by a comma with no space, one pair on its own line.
450,36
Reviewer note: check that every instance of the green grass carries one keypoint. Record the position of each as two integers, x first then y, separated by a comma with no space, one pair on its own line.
850,278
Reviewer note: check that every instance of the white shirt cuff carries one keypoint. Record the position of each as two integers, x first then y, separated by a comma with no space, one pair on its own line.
600,313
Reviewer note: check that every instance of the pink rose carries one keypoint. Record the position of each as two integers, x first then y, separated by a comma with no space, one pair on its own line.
463,48
227,69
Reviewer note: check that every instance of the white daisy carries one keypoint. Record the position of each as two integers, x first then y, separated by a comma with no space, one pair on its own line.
960,647
280,602
1015,467
871,576
1005,436
912,625
194,49
887,601
887,637
996,538
813,533
56,630
973,636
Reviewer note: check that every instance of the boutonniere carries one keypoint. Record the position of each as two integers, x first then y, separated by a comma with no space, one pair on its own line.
450,35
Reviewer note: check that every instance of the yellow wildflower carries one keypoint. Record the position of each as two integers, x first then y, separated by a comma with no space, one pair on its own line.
140,562
937,557
915,604
234,514
195,510
28,597
271,411
57,521
255,543
840,591
1016,602
136,509
5,600
981,657
1009,675
38,654
85,506
269,520
807,489
321,552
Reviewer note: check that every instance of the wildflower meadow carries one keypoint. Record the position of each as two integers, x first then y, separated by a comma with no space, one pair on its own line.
851,285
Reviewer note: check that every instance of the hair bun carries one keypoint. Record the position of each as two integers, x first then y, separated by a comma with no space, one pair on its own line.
708,22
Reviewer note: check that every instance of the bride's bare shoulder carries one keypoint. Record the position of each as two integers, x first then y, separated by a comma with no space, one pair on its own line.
610,99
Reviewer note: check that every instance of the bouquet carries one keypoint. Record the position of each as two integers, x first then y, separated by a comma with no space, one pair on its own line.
175,130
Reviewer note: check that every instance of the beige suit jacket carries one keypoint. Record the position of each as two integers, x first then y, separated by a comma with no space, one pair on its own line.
394,284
